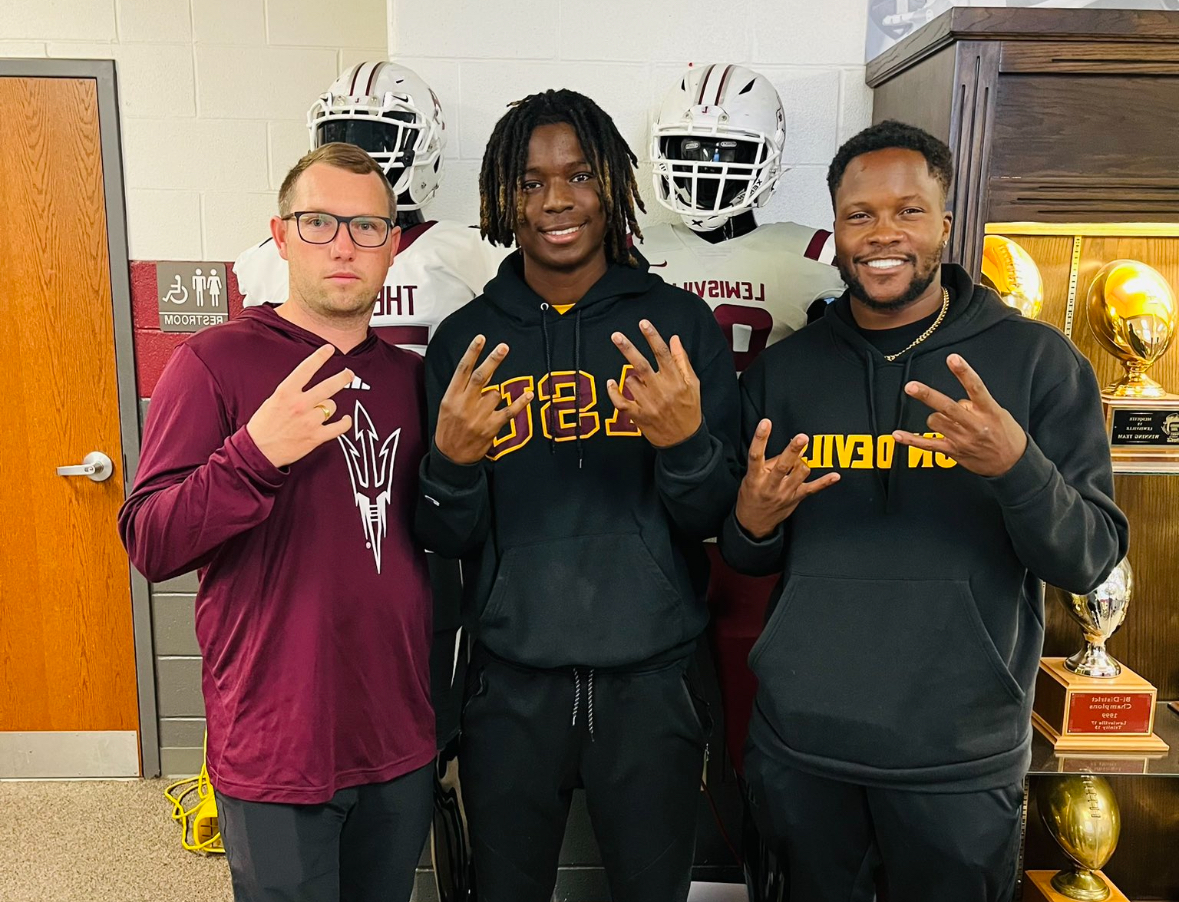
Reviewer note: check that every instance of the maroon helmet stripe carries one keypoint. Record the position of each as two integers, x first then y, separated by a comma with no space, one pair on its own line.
355,75
703,85
817,243
373,77
721,89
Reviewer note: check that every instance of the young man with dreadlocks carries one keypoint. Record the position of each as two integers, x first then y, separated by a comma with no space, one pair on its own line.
576,476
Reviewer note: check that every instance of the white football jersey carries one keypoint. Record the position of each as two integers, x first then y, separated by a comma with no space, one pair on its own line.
439,267
759,284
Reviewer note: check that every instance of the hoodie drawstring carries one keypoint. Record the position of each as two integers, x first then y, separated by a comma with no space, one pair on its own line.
548,365
577,412
589,698
873,420
900,424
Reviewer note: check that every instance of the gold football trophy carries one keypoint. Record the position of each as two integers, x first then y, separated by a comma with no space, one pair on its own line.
1132,313
1013,274
1081,814
1089,702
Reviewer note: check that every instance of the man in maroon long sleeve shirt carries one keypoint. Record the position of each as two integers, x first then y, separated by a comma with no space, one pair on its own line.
280,458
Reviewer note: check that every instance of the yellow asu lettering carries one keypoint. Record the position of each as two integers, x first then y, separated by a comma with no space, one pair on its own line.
622,423
560,417
518,432
868,452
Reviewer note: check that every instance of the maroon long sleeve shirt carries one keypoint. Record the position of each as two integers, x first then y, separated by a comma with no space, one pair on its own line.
313,614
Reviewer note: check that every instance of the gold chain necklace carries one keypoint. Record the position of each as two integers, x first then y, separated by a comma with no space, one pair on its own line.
928,332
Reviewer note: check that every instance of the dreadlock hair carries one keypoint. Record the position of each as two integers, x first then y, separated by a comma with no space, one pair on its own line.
501,196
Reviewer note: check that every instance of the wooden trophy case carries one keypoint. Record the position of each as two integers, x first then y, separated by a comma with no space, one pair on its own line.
1064,125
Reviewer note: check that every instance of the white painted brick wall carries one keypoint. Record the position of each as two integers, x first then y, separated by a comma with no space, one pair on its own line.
214,92
479,55
213,97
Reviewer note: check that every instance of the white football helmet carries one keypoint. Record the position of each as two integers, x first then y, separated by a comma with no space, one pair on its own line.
717,145
388,111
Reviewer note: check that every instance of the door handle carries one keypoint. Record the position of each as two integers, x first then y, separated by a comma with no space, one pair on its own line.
95,465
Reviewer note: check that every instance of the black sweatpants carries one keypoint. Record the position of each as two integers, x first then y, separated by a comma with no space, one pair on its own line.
839,839
362,846
634,741
450,844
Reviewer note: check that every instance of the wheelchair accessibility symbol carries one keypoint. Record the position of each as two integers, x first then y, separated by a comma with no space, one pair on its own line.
178,294
192,295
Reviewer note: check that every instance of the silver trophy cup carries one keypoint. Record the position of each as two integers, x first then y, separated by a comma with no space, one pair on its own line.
1100,613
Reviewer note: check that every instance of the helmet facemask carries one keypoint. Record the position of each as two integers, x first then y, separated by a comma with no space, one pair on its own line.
388,128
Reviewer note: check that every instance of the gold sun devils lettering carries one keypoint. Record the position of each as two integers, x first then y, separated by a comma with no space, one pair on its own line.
860,451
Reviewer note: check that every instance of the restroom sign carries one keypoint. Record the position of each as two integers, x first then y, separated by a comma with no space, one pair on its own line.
192,295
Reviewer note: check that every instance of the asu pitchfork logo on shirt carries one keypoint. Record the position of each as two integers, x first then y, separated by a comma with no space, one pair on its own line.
370,467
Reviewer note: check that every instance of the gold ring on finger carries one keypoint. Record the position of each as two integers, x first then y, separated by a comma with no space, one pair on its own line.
327,412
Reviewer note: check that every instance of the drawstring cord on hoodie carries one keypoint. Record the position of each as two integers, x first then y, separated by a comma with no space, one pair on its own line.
589,698
885,480
548,359
577,396
548,365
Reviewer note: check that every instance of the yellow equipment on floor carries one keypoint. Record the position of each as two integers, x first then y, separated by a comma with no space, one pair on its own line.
200,832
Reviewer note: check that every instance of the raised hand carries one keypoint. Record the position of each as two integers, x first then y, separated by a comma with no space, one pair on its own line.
293,421
979,434
772,489
664,403
470,417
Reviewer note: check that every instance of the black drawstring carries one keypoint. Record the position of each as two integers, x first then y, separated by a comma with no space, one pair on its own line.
548,364
873,420
900,424
577,395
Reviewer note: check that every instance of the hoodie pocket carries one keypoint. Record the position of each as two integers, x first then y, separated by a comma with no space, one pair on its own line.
886,673
601,601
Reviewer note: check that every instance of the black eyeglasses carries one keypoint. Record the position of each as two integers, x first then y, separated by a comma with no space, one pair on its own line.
321,228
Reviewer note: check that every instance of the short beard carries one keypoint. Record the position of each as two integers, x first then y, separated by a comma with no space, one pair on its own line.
927,270
317,300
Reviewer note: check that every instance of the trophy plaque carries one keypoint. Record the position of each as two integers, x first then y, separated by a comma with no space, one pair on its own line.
1132,314
1089,702
1081,814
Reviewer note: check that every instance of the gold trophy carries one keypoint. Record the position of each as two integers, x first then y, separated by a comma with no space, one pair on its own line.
1081,814
1132,313
1089,702
1013,274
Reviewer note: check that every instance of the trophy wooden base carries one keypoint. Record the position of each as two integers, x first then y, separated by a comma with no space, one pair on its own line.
1143,433
1088,714
1037,887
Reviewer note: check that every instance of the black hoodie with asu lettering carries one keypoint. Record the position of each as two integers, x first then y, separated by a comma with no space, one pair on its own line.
904,639
580,541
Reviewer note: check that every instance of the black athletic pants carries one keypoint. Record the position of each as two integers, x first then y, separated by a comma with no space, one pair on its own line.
634,741
839,840
362,846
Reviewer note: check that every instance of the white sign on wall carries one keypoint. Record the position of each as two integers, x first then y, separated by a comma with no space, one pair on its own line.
890,21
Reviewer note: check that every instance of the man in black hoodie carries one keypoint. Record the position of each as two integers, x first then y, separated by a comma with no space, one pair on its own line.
578,507
960,458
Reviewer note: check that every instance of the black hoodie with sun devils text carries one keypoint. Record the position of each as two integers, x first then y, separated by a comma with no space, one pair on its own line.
581,541
904,639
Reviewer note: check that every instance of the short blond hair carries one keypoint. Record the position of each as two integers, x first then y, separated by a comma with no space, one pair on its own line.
348,157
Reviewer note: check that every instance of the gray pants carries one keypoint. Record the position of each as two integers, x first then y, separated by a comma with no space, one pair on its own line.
362,846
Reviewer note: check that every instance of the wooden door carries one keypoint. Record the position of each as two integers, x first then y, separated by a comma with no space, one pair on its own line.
68,690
